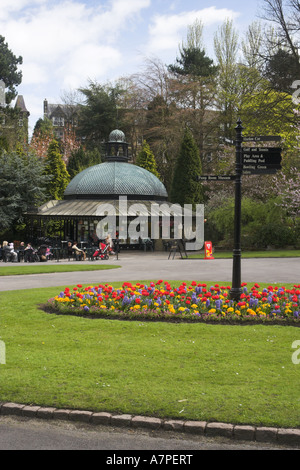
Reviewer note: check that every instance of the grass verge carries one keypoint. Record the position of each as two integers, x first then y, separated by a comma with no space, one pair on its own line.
53,268
237,374
252,254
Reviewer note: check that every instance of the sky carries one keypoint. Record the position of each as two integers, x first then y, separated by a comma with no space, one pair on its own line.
66,43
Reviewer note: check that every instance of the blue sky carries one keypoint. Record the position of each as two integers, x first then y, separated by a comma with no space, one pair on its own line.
66,42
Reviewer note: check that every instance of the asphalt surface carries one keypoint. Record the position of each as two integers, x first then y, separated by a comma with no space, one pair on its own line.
32,434
145,266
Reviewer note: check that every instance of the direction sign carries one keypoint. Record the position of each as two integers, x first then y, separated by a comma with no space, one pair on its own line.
265,150
274,159
261,160
261,167
263,138
258,171
217,178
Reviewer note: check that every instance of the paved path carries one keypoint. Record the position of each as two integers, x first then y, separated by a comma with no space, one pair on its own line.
157,266
31,434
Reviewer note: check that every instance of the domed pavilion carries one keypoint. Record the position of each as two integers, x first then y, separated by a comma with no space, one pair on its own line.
91,191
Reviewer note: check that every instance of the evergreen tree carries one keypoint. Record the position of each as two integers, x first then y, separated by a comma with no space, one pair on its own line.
9,70
99,115
81,159
185,187
146,159
22,185
56,168
193,60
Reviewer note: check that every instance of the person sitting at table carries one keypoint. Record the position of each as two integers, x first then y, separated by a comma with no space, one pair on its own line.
78,251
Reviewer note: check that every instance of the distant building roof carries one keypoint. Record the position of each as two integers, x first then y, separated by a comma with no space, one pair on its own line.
20,103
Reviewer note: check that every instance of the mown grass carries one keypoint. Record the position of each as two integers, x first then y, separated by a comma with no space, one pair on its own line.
253,254
237,374
52,268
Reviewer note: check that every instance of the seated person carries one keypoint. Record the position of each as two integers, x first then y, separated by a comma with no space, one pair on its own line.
28,253
42,252
78,251
110,244
69,250
9,252
21,251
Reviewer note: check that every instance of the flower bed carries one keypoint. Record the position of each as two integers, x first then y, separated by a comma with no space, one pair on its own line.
194,302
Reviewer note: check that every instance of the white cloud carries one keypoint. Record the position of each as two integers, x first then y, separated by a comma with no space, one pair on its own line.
88,61
58,33
65,42
167,31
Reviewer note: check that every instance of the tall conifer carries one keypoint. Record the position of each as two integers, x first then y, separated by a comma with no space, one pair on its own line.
56,167
185,187
146,159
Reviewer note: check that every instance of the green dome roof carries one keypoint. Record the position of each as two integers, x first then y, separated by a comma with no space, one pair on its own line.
117,136
112,179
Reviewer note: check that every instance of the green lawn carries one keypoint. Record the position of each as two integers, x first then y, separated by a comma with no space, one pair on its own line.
52,268
236,374
253,254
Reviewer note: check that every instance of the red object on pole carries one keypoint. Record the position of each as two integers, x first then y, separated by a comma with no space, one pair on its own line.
208,246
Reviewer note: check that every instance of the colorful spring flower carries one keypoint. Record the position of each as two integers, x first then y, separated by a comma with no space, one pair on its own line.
194,300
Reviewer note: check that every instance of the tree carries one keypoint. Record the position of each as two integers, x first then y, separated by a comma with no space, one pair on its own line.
193,59
98,116
56,168
146,159
44,127
226,51
9,70
281,70
285,16
81,159
185,188
43,135
193,87
22,185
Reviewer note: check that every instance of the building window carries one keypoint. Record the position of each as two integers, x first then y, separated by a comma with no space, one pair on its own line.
58,121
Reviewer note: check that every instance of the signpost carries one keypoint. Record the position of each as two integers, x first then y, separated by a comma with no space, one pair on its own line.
248,161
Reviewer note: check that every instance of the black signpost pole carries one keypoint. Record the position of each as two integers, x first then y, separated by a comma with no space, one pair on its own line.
236,289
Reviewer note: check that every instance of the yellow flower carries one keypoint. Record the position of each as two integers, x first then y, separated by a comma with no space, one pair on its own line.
237,312
251,312
230,310
212,310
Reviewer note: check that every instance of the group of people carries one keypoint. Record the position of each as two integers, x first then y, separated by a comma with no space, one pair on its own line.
106,247
26,253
